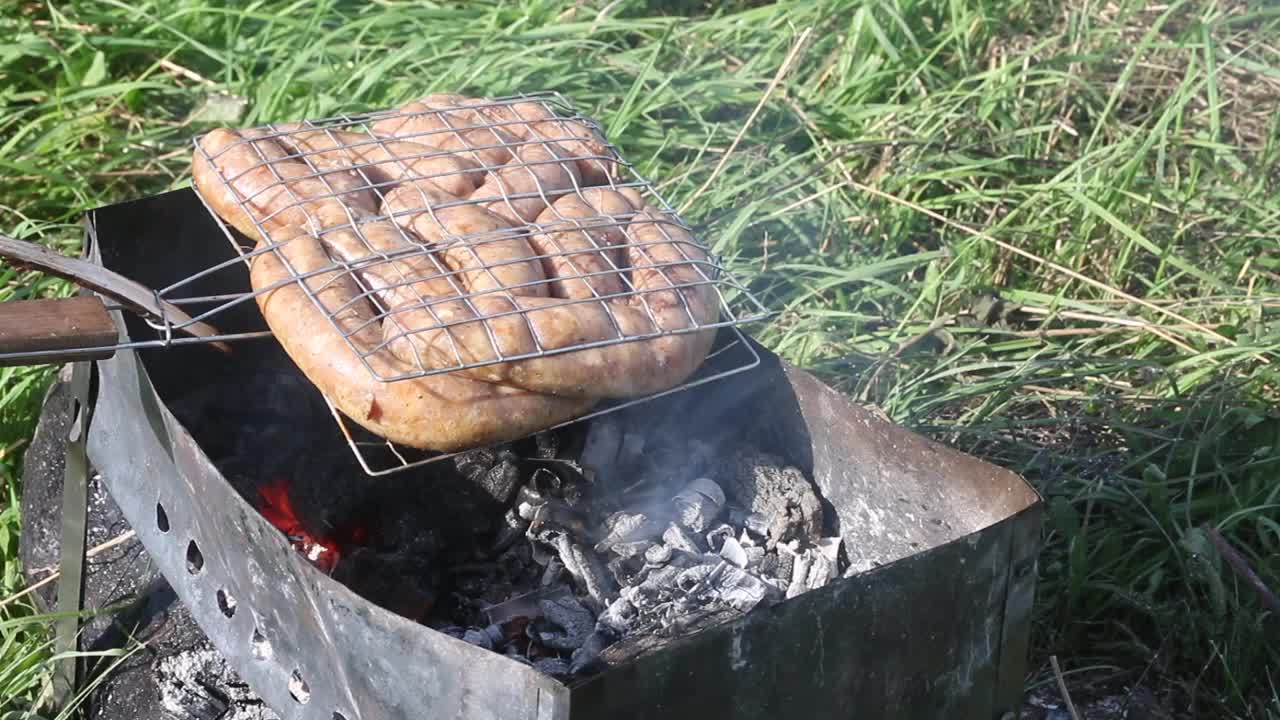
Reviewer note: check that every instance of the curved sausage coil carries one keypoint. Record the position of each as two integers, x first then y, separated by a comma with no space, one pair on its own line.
463,271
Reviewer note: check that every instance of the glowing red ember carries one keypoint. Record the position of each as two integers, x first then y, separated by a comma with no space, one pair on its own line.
278,510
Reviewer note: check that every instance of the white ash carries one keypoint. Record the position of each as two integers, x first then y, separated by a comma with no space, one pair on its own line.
699,504
603,569
733,553
200,684
679,538
764,484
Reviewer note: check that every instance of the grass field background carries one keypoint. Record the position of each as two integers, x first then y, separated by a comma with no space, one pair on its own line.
1043,232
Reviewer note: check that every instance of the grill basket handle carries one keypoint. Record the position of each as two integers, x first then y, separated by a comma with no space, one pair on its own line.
79,328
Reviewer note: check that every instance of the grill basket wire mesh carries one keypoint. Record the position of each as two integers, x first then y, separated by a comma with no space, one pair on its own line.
735,303
378,457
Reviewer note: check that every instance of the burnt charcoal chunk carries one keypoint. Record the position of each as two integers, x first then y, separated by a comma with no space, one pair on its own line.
763,483
552,444
400,581
496,473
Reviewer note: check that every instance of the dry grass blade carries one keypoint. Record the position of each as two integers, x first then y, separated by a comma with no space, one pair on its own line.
783,69
1062,688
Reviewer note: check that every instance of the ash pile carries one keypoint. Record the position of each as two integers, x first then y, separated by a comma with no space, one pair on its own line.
649,536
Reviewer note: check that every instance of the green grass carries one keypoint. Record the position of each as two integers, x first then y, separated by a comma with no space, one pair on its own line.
1044,232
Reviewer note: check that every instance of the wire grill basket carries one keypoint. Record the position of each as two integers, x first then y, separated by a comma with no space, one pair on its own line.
392,186
379,457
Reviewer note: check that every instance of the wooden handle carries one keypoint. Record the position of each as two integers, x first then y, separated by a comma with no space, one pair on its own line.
114,285
78,328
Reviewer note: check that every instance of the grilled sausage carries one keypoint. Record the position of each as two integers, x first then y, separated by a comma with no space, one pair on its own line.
672,294
410,250
443,412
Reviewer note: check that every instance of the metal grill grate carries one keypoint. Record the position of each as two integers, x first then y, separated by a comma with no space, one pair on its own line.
378,457
401,236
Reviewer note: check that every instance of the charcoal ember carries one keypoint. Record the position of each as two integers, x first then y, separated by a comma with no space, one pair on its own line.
741,590
573,484
663,577
513,528
552,666
695,579
830,549
755,557
600,448
399,580
658,555
552,574
496,472
522,606
752,522
528,501
556,516
542,553
678,538
699,504
649,594
514,520
681,559
517,560
513,653
625,569
717,535
487,637
569,476
765,484
617,618
549,445
624,528
733,552
547,482
632,549
587,568
572,623
639,596
685,621
820,573
825,562
800,574
587,657
487,583
769,566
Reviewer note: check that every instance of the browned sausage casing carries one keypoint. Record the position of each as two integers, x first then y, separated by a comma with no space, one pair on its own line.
442,412
462,232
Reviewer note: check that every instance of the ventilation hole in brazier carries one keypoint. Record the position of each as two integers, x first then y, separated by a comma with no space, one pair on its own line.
195,561
338,716
226,604
298,688
162,519
261,646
